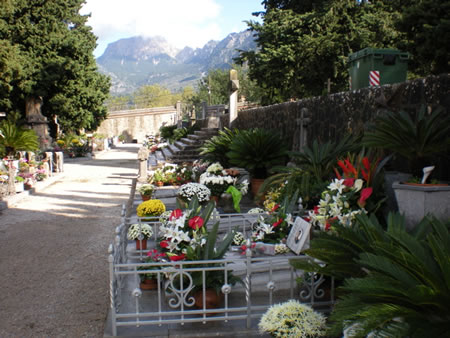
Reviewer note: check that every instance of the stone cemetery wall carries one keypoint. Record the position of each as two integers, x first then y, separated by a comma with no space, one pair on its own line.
135,124
330,117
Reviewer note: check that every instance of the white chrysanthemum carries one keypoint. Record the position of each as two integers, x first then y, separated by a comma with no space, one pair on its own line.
256,211
135,230
292,319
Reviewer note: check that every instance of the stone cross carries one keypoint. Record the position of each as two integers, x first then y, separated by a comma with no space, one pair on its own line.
234,84
143,158
300,135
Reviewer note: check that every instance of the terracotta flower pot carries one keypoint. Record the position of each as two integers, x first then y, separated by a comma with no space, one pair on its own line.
146,197
141,245
213,299
159,183
149,284
215,199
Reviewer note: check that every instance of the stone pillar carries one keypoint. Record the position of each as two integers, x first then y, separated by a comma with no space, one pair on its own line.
204,110
300,135
49,158
143,158
179,115
234,82
59,161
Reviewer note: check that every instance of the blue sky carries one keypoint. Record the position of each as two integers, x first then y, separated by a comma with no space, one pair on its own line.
183,23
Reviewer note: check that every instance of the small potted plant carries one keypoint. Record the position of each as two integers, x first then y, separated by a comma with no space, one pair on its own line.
292,319
140,232
150,208
146,191
149,280
216,179
158,178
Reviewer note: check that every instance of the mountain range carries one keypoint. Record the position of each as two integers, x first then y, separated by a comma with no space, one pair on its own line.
138,61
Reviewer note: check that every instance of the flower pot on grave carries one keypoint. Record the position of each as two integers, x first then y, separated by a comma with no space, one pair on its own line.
149,284
159,183
215,199
141,245
213,299
146,197
226,202
416,201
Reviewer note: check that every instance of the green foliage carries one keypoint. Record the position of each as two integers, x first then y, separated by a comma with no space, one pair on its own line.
48,53
406,288
216,148
14,138
257,150
416,137
166,132
296,37
426,26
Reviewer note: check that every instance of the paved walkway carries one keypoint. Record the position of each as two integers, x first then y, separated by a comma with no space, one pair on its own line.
53,249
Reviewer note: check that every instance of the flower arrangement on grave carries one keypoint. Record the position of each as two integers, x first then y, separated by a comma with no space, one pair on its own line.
275,227
292,319
346,196
183,174
136,230
150,208
153,256
146,190
216,179
198,168
189,190
41,174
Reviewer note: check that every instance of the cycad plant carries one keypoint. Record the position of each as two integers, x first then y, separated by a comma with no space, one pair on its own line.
405,290
417,137
14,138
216,148
257,150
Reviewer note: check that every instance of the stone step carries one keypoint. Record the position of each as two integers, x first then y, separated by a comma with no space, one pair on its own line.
173,148
166,153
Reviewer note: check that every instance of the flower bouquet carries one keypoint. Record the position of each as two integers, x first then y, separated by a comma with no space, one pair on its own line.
140,232
216,179
189,190
346,196
150,208
146,191
292,319
149,278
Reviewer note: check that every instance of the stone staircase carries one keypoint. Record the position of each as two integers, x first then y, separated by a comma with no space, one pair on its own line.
185,149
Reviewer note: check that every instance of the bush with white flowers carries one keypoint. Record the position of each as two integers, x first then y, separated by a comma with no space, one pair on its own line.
292,319
135,230
216,179
189,190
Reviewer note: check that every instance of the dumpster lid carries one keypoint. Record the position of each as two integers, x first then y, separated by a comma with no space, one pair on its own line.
377,51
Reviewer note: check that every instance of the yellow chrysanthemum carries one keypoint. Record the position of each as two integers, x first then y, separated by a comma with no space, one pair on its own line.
60,142
150,208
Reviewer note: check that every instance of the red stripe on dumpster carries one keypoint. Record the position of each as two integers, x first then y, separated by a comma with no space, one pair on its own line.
374,78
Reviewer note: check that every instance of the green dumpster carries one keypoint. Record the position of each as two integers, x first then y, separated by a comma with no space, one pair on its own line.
376,67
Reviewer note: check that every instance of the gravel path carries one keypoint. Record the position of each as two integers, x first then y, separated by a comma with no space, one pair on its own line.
53,249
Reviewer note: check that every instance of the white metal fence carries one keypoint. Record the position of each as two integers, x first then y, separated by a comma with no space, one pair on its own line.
263,281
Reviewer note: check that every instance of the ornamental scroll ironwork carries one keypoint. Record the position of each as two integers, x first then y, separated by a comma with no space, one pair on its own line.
178,287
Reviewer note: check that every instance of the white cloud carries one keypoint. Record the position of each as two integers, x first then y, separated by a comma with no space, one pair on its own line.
181,22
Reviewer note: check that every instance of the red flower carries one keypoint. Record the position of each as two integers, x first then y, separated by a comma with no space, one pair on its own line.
244,248
196,222
316,209
366,163
177,257
365,194
307,219
348,182
164,244
275,207
277,223
351,168
177,213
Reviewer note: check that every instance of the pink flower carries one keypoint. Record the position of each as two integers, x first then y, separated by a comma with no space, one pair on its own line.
177,213
196,222
365,194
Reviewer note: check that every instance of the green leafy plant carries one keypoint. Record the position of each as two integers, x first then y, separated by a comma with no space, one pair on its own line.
257,150
216,148
405,288
416,137
14,138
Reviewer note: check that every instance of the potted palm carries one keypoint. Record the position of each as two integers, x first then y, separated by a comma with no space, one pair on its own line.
419,138
257,150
